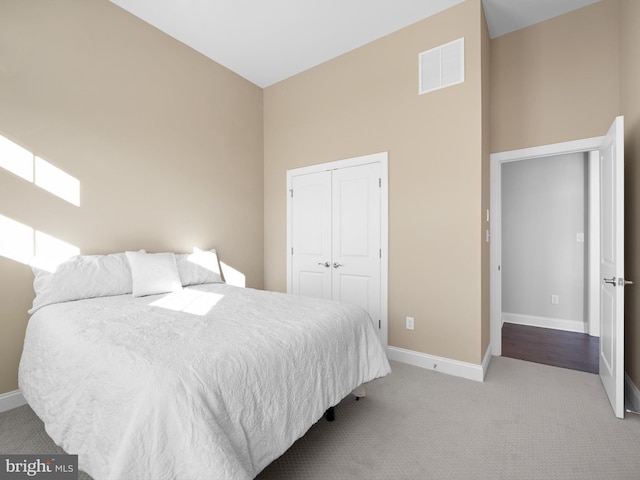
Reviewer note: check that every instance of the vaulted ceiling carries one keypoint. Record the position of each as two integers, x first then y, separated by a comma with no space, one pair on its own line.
266,41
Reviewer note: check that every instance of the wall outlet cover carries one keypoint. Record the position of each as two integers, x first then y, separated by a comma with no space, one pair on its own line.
409,323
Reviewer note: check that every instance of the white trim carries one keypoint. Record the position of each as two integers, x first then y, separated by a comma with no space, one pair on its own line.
545,322
384,245
11,400
486,361
593,245
497,159
383,159
632,392
466,370
347,162
575,146
495,256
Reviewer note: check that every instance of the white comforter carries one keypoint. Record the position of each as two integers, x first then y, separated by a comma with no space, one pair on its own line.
140,391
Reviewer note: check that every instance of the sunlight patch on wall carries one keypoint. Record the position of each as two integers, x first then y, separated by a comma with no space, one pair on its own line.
233,276
51,251
16,159
56,181
24,244
187,300
38,171
17,241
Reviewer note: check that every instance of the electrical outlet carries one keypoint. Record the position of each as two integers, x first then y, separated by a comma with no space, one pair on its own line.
555,299
409,323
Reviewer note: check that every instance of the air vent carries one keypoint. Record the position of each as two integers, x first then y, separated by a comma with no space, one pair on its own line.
442,66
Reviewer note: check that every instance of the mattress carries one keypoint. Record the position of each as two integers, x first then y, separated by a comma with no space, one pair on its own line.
214,381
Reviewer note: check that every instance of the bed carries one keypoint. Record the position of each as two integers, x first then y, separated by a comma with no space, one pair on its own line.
206,380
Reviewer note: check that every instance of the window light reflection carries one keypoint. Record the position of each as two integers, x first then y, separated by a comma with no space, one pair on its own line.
233,276
16,240
22,243
187,300
51,252
25,164
16,159
56,181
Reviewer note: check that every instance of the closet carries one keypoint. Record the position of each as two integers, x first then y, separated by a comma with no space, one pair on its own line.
335,233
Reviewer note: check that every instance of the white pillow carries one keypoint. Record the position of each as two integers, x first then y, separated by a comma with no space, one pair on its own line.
199,267
153,273
82,276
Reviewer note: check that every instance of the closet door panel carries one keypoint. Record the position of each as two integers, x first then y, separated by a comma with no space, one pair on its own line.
311,234
356,236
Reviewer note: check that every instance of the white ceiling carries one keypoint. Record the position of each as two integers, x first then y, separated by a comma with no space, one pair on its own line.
266,41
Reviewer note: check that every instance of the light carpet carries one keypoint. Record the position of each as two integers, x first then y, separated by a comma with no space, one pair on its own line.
526,421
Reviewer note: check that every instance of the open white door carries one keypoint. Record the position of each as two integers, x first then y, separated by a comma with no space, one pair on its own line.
612,265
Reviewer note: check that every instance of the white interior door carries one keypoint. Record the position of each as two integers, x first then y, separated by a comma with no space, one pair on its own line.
356,195
612,265
311,234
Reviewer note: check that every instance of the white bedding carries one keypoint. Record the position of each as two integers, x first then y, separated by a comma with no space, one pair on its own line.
140,391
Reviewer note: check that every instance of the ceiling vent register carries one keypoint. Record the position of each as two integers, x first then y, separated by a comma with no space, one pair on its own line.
442,66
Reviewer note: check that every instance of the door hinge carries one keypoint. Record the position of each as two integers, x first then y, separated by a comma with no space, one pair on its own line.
291,250
379,183
379,323
380,253
291,192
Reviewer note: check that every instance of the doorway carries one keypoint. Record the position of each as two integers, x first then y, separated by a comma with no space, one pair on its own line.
609,155
545,259
591,307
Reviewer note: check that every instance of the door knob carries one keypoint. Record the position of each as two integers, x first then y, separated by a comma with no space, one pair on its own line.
611,281
325,264
336,265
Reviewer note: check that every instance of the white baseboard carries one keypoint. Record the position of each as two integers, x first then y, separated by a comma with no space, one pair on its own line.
11,400
546,322
470,371
486,361
632,393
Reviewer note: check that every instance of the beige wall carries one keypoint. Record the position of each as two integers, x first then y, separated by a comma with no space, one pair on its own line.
167,145
367,101
557,80
630,103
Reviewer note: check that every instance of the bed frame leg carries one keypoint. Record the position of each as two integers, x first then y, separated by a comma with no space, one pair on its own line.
330,414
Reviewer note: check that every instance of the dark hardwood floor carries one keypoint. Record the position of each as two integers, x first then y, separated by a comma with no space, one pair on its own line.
577,351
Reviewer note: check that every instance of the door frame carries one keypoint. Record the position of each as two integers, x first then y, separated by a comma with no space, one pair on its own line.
495,251
383,159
